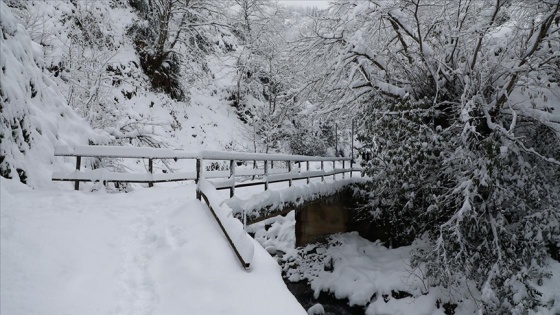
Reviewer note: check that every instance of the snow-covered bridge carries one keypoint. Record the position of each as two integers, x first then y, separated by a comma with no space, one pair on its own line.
308,178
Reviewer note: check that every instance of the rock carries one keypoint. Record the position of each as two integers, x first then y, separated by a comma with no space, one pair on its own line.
271,250
316,309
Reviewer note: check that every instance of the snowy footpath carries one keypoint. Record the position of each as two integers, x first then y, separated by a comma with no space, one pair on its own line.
152,251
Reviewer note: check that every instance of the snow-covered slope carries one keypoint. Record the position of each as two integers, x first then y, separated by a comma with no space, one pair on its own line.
60,58
147,252
34,115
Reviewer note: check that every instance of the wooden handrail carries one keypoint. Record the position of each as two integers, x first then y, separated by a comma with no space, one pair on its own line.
270,174
165,153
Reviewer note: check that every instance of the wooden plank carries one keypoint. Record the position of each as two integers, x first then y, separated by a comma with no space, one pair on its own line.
164,153
124,152
171,177
114,180
246,156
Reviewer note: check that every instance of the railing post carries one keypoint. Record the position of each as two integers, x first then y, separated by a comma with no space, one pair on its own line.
343,167
299,168
290,171
323,170
198,177
151,170
78,164
352,151
254,167
265,175
232,176
307,166
334,170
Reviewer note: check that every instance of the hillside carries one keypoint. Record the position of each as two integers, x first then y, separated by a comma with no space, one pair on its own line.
61,87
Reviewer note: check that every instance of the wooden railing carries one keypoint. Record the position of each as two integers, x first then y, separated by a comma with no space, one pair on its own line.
231,178
102,152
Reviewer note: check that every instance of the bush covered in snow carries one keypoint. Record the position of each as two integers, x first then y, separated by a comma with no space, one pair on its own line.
34,115
458,101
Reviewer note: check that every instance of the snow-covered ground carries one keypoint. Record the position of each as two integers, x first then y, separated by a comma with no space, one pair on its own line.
158,251
151,251
371,275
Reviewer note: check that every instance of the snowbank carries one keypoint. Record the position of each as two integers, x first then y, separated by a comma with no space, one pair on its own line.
380,278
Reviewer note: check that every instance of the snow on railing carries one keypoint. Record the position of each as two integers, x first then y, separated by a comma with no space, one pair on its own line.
265,176
271,202
238,239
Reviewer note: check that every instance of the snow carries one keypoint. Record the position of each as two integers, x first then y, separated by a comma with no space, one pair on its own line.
155,251
316,309
151,251
33,109
362,269
550,289
370,274
242,156
241,242
279,235
162,153
366,273
124,152
295,195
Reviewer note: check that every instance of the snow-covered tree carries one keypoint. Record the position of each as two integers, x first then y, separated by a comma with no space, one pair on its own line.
263,95
34,115
458,99
173,39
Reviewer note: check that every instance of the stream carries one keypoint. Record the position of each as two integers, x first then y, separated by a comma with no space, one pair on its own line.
315,223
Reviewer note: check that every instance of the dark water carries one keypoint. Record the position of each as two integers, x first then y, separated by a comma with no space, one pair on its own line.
332,305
